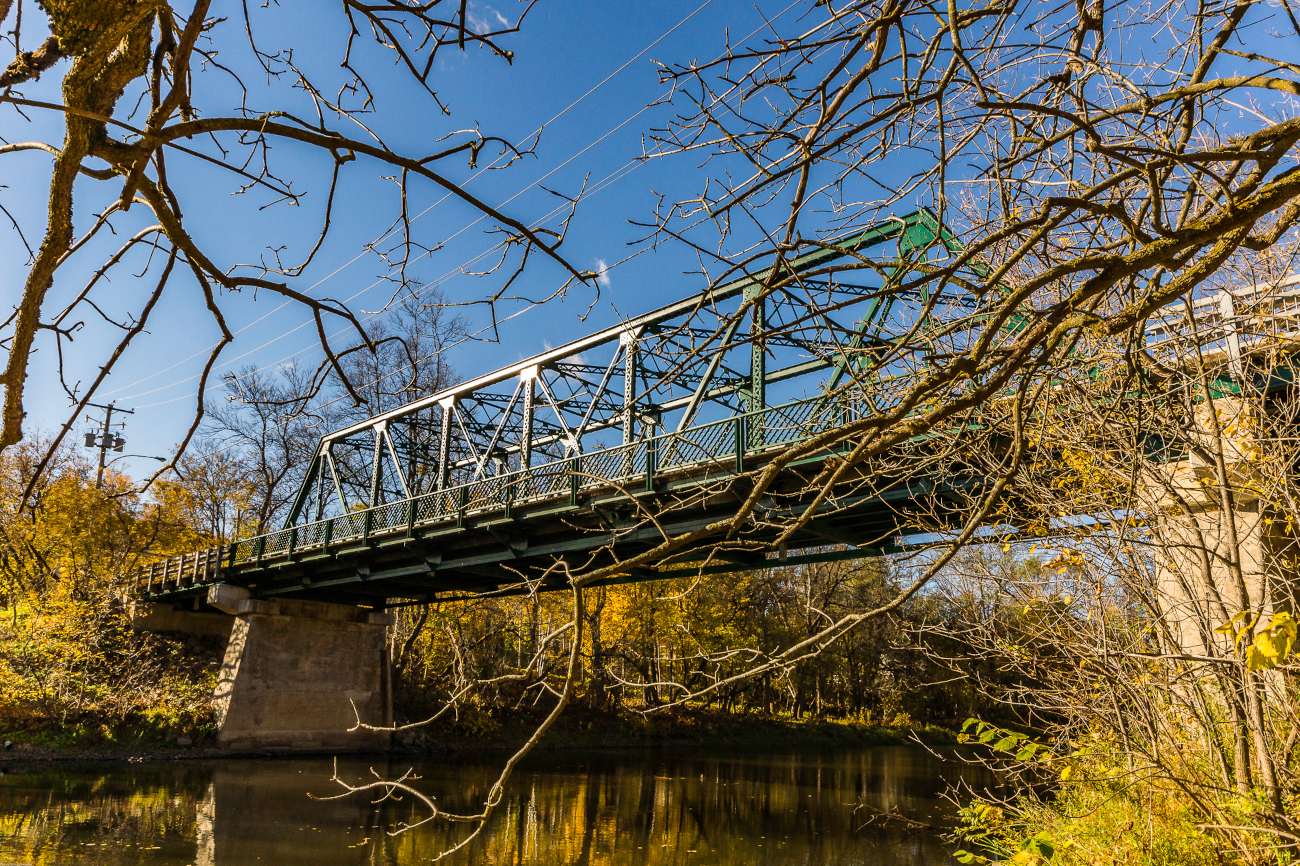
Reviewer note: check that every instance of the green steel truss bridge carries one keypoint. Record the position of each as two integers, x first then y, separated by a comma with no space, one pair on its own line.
512,475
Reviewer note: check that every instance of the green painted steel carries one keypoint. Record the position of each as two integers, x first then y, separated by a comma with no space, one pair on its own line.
719,446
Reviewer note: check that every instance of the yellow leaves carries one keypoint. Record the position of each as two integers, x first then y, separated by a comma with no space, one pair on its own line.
1269,646
987,813
1272,644
1247,618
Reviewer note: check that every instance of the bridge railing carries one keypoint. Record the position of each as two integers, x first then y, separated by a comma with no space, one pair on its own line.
1234,322
719,446
183,572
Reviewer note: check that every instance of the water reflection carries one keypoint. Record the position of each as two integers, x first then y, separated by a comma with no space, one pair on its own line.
647,809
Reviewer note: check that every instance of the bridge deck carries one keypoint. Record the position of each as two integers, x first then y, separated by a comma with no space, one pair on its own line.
497,531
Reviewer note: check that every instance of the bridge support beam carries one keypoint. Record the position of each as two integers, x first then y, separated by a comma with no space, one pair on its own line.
293,671
1212,565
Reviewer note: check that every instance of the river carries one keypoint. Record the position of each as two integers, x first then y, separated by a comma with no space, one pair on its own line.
640,808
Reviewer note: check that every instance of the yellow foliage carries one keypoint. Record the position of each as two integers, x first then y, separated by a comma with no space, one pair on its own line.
1266,647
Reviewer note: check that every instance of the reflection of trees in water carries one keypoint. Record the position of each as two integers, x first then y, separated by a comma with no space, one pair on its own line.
66,817
592,811
732,811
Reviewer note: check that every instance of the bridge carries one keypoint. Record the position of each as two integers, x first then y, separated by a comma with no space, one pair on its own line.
587,455
511,480
581,457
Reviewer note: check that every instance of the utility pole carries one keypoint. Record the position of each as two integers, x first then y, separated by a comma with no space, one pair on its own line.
105,440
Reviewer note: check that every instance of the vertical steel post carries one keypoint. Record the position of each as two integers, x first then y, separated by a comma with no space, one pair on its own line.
376,477
757,396
444,442
320,489
529,382
651,453
738,432
413,449
628,339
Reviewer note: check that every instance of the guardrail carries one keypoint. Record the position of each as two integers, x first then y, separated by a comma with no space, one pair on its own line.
188,570
1233,322
723,445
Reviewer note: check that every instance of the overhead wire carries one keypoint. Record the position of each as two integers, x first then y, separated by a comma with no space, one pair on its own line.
478,173
458,269
613,177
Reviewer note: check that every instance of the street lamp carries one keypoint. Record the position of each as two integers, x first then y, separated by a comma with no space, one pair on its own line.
145,456
99,481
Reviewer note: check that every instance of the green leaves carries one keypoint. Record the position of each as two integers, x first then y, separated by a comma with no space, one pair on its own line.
1003,740
987,826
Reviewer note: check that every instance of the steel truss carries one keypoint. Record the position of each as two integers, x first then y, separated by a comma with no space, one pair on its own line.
512,472
738,348
500,484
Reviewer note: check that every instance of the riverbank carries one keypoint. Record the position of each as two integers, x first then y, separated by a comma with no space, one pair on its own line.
581,728
578,730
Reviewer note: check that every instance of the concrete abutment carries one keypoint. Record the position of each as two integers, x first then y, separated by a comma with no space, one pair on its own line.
1214,563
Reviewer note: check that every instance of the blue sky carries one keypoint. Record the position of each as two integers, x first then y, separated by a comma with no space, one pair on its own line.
565,50
582,69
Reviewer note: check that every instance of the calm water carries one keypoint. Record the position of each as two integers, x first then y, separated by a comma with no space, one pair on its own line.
609,808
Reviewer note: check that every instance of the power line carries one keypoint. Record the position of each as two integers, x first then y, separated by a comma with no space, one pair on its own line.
387,234
618,174
613,177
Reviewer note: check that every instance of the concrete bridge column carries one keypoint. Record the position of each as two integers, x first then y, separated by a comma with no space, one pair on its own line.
293,671
1200,588
1213,563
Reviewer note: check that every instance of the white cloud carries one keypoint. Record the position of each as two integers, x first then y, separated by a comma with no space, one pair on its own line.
480,22
602,272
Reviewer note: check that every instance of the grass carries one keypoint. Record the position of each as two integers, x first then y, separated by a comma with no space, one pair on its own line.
1089,823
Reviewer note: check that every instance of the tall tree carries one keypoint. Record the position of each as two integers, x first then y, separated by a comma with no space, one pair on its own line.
1092,165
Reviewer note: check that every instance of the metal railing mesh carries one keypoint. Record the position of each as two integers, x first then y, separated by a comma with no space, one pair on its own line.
712,444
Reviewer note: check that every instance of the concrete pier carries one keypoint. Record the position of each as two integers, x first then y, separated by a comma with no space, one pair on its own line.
294,670
1214,563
